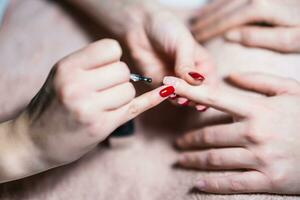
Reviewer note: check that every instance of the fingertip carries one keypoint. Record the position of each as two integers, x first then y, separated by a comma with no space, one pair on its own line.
234,36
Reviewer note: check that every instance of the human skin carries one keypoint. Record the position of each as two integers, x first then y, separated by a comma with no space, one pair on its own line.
263,140
145,177
158,41
236,19
80,104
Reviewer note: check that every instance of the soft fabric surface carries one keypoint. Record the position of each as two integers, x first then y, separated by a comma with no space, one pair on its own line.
134,168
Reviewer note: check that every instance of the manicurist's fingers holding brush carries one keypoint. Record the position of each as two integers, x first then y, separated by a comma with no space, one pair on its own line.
87,95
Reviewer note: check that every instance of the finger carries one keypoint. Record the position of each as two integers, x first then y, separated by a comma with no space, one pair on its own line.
244,15
115,97
219,159
278,39
142,103
211,8
215,136
245,182
145,57
264,83
221,13
94,55
185,62
218,98
107,76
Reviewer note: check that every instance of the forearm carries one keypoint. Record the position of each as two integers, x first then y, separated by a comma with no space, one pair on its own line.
19,156
118,16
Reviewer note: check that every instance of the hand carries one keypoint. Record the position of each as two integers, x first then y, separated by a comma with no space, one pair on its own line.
86,96
236,18
161,43
263,141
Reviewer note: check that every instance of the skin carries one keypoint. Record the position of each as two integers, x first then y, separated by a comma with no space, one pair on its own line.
239,21
85,178
159,42
78,107
263,140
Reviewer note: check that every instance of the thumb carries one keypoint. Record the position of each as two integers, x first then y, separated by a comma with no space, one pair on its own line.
142,103
278,39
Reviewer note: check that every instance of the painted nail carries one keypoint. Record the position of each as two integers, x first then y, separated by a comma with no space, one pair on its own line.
196,76
200,185
167,91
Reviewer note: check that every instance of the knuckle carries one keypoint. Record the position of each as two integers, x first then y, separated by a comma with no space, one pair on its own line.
237,185
67,93
62,67
252,135
247,36
207,137
82,113
213,159
134,109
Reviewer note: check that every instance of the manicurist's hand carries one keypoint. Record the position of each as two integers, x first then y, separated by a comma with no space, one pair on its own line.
263,141
239,19
159,43
163,45
86,96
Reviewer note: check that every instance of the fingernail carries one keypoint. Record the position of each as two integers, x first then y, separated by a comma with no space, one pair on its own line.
200,185
201,108
196,76
170,80
167,91
173,96
233,36
182,101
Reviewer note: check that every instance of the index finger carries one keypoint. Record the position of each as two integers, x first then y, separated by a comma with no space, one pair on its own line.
215,97
142,103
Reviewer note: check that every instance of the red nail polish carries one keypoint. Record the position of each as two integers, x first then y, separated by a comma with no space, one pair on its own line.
167,91
196,76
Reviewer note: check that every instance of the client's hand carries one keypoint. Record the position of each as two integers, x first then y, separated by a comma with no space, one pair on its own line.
264,140
86,96
279,19
163,45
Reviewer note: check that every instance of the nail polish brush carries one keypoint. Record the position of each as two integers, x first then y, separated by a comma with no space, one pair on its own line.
137,77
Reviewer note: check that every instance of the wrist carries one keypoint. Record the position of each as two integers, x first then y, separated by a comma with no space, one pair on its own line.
18,154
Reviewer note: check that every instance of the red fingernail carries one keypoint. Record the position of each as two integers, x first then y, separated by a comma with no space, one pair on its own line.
196,76
167,91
